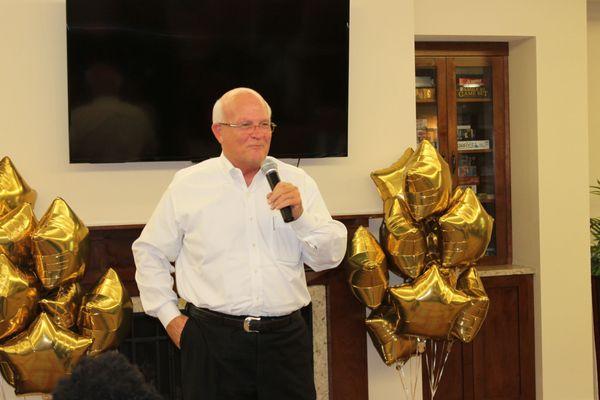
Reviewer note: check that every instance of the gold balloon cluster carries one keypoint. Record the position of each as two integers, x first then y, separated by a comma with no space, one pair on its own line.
47,324
431,236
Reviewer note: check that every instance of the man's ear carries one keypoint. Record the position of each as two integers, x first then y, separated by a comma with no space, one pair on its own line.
216,130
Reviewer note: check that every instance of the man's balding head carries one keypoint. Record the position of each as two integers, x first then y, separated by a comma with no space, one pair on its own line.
221,109
239,120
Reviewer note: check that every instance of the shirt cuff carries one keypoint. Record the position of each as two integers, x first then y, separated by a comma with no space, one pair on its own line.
167,312
304,225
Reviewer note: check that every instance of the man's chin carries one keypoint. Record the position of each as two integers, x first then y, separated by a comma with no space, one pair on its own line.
260,159
259,155
256,161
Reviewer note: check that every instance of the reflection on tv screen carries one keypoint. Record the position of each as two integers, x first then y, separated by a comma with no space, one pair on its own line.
144,75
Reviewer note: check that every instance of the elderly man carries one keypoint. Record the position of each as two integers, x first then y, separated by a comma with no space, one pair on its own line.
238,265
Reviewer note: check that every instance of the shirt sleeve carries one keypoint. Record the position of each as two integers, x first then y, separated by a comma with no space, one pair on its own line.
323,239
155,249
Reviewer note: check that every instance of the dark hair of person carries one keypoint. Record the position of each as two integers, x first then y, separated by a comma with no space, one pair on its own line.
109,376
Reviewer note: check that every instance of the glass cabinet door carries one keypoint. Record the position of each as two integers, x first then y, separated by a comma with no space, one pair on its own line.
462,109
476,126
430,88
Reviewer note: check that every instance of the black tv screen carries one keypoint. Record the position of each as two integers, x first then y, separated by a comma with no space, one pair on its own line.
143,75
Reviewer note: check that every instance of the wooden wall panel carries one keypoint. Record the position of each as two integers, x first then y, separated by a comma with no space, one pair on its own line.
452,385
499,363
111,247
496,364
596,319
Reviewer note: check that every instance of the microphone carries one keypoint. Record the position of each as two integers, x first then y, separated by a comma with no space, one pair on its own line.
269,168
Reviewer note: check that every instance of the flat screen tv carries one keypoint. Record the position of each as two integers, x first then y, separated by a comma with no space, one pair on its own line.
143,75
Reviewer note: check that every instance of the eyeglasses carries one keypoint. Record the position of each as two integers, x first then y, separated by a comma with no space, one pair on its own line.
248,126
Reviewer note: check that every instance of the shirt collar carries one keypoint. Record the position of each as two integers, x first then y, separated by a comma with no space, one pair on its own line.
231,170
227,166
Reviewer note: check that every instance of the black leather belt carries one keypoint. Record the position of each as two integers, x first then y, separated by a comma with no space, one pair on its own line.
244,322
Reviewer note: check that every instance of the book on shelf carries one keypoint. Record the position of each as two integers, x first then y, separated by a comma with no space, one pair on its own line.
471,82
421,123
472,187
486,196
472,92
430,134
467,170
465,132
473,145
471,87
424,82
425,93
466,159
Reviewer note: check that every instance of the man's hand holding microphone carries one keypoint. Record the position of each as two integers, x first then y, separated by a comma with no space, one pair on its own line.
285,196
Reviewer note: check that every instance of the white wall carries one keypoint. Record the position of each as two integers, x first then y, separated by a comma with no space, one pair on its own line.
593,25
33,116
593,32
33,124
549,156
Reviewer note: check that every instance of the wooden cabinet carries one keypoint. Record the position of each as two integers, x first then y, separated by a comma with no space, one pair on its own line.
500,362
596,319
462,108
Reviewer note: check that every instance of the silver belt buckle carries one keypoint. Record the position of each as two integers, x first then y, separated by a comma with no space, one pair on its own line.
247,321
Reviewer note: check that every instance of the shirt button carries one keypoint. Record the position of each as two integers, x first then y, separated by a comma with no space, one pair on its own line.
253,244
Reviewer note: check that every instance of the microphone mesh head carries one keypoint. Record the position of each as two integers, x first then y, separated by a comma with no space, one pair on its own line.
268,165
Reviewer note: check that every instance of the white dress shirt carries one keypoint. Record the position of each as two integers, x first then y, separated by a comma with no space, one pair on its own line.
232,253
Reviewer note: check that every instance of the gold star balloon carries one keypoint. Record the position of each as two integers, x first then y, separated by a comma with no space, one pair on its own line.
42,355
402,239
14,191
471,318
7,373
426,226
368,275
18,298
105,313
466,231
16,228
456,195
429,306
60,246
428,182
450,274
381,325
63,305
390,180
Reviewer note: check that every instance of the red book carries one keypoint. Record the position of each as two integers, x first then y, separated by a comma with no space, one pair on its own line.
471,82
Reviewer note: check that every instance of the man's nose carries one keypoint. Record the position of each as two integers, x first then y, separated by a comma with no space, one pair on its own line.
255,132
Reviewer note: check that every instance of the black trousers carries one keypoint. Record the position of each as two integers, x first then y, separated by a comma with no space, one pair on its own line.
220,362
